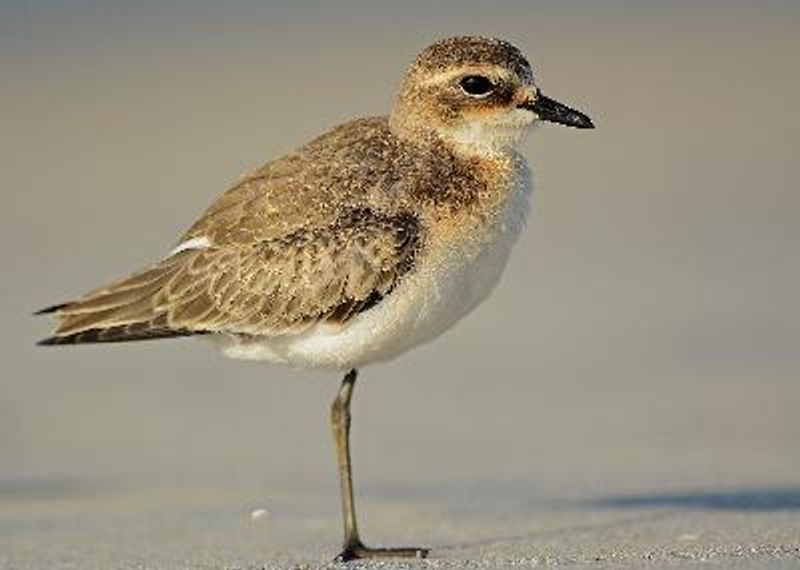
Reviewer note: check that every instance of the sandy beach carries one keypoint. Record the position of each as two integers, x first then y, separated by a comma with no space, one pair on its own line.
628,398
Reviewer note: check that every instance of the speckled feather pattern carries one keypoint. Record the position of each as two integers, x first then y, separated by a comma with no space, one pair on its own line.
331,235
360,164
313,236
470,50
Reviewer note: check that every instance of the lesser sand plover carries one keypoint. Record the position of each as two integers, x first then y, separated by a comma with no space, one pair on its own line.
373,238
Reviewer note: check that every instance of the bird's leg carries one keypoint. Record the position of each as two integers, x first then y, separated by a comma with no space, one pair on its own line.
340,424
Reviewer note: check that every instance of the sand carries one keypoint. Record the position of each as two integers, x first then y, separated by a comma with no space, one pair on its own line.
628,398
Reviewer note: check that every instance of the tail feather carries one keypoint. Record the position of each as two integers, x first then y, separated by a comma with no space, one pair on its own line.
107,300
124,333
51,309
127,310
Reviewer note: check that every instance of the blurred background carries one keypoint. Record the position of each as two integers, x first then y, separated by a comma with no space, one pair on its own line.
641,350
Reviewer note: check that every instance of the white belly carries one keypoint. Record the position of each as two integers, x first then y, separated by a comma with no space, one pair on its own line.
448,282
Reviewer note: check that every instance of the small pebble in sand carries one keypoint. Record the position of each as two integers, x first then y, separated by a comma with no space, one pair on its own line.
259,514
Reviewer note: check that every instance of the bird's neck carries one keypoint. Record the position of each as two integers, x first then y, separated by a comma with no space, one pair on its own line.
469,140
454,183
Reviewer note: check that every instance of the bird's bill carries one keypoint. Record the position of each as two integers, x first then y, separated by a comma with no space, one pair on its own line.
550,110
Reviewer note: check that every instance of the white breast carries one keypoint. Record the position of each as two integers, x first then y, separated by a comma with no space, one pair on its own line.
448,283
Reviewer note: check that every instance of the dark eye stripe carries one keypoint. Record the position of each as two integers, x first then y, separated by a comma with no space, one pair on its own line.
476,85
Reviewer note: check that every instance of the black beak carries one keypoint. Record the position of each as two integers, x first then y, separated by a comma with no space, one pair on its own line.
550,110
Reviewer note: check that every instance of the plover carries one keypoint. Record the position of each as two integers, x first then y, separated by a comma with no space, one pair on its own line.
373,238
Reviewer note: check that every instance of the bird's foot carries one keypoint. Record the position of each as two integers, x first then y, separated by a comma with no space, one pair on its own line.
358,551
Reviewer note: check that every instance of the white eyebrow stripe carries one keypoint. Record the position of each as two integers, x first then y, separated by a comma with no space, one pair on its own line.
201,242
445,76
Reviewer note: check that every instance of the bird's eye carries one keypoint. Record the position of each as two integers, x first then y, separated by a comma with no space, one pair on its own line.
476,85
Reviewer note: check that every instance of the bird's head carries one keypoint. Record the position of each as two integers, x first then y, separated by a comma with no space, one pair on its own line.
477,94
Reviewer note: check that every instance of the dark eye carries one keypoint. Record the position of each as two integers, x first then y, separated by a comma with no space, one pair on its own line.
476,85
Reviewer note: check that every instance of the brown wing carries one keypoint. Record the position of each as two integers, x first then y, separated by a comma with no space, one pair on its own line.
343,169
268,287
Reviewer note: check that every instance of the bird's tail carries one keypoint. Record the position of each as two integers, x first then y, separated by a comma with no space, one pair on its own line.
131,309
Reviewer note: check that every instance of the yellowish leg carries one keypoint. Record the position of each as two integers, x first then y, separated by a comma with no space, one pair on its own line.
340,424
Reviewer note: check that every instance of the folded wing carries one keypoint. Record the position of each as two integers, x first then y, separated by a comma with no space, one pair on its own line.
283,285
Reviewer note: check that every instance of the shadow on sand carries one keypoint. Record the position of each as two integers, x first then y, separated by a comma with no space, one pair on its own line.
47,489
747,499
744,499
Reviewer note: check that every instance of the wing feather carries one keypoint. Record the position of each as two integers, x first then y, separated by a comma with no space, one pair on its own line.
317,235
267,287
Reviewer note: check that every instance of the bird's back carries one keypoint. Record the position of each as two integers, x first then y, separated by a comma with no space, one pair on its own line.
319,235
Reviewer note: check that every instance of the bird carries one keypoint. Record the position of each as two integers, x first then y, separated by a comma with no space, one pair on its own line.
371,239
